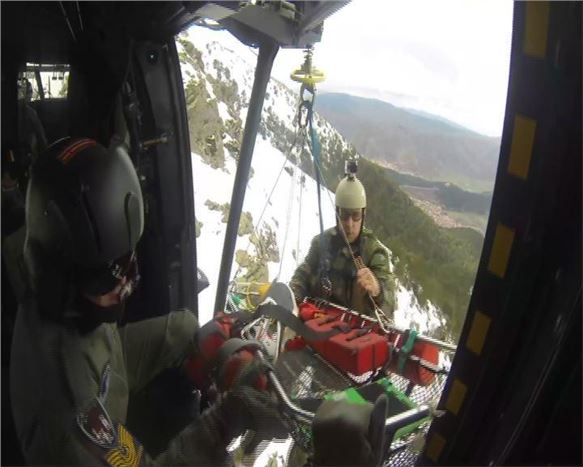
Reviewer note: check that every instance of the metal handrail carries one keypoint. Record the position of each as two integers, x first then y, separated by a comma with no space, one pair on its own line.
392,424
430,340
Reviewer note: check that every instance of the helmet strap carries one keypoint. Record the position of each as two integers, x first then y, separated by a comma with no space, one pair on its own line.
92,315
361,226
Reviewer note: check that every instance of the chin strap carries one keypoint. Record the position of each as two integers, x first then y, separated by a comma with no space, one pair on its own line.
91,315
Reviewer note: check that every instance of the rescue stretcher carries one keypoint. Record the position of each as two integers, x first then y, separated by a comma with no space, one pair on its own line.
338,353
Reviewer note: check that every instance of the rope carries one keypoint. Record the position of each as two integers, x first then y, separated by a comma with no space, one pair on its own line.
290,201
308,105
258,223
298,256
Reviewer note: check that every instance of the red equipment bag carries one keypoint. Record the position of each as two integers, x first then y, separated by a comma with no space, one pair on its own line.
358,351
310,311
325,324
355,351
411,369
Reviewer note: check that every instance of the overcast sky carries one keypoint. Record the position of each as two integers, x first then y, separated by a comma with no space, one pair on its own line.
445,57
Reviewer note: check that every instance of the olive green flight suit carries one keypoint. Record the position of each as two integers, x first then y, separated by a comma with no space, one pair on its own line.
342,272
58,375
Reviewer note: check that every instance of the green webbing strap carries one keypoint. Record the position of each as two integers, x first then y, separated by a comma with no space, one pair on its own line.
406,349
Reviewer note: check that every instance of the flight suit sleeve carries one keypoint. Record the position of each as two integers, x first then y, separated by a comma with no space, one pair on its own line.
301,281
196,445
379,265
152,345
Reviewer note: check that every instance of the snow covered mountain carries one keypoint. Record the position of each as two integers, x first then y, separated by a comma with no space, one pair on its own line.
280,211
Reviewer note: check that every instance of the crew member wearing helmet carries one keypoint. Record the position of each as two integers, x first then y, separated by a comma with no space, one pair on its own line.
72,367
333,274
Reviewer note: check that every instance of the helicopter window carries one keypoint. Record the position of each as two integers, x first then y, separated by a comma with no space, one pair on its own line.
47,81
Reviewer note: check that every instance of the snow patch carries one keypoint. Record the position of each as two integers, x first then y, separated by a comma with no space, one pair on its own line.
224,111
293,227
410,314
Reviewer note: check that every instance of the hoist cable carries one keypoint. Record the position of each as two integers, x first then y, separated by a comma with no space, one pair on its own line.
258,223
287,222
299,221
307,104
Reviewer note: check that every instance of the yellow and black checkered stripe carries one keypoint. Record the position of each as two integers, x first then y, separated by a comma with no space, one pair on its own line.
520,168
127,453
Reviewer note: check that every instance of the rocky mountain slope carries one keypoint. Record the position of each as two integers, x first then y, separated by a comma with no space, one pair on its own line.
412,142
218,75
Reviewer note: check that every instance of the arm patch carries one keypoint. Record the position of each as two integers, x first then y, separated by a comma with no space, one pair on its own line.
96,426
128,452
113,444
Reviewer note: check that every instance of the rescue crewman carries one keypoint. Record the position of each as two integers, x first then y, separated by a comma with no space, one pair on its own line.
72,368
31,134
333,275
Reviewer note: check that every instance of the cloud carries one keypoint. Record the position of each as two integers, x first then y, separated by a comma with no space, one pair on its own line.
448,57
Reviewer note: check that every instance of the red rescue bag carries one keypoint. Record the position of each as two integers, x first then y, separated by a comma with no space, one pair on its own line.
412,370
355,351
358,351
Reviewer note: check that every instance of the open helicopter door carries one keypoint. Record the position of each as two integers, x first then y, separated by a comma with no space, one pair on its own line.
268,27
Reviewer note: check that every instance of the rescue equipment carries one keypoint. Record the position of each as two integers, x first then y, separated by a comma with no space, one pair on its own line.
307,74
354,343
353,350
331,353
361,346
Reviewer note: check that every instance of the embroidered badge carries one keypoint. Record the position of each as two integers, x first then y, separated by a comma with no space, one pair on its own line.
104,384
128,452
96,425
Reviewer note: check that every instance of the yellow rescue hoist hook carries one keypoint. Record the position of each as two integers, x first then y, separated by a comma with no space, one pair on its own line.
307,74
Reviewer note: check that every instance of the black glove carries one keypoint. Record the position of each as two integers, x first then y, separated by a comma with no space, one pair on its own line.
244,408
349,434
257,411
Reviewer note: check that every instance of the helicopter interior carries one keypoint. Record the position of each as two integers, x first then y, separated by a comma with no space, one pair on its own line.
110,71
520,357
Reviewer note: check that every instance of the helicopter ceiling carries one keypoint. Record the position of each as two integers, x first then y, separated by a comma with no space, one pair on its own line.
46,32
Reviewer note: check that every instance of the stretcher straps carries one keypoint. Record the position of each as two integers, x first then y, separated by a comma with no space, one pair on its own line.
406,349
291,321
285,317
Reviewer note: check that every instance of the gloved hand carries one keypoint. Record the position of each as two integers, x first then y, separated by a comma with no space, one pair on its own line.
244,403
209,340
245,375
349,434
242,367
244,408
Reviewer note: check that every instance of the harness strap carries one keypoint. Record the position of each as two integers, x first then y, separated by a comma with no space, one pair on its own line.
285,317
406,349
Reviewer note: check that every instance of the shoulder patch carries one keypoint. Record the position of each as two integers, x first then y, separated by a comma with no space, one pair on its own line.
127,453
95,423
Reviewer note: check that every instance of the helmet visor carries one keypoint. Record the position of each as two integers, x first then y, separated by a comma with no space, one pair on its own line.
102,280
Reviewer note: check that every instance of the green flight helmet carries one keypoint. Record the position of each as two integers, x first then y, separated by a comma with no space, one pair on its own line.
350,193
